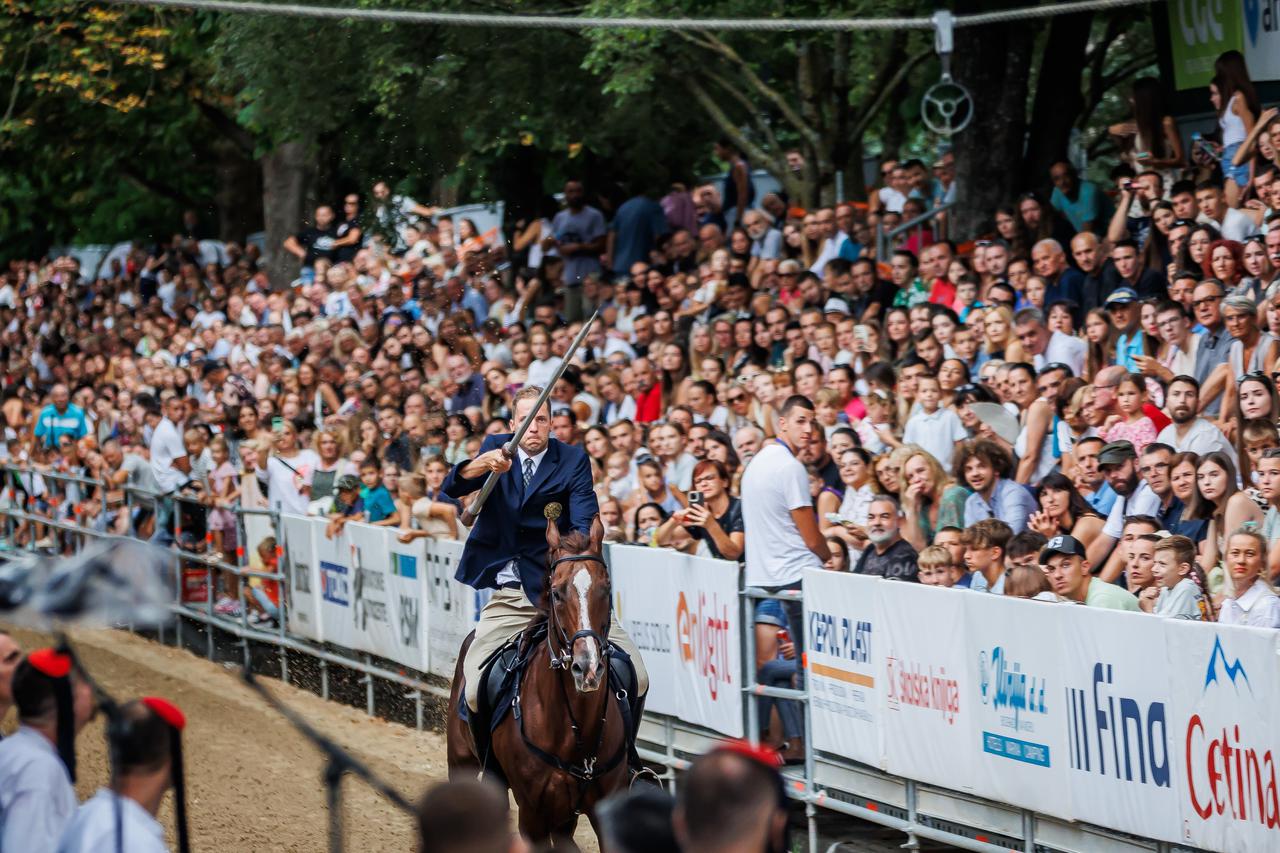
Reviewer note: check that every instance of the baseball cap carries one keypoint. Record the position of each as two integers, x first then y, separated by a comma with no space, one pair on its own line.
836,305
1062,545
347,482
1122,296
1116,452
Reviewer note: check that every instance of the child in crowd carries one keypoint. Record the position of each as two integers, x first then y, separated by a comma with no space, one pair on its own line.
348,505
1258,435
839,561
1029,582
964,345
1132,424
1178,591
876,430
379,506
938,430
826,404
223,494
618,480
952,538
1025,548
966,296
935,567
985,554
263,598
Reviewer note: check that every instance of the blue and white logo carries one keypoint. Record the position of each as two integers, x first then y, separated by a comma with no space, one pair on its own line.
335,583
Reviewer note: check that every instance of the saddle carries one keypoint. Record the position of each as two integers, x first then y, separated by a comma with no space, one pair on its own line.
500,676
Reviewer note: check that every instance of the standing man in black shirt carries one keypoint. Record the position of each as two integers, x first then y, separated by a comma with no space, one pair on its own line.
315,242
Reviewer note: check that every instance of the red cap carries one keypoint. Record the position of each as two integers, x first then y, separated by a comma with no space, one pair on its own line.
52,663
166,710
756,752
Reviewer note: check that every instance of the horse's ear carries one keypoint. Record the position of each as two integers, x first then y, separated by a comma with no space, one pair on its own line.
553,537
597,535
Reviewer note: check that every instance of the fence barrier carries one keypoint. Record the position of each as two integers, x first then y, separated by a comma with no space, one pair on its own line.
983,722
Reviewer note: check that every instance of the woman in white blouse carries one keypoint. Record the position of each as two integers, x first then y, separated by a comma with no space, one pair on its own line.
1247,598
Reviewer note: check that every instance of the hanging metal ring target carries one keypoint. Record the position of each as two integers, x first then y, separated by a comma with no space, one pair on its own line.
946,107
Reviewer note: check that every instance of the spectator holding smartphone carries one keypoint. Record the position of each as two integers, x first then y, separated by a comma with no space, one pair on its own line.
712,518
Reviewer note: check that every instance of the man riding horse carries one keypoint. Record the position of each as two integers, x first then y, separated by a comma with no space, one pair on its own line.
507,548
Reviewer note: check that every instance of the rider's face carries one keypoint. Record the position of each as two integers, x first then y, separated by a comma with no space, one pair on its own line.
539,431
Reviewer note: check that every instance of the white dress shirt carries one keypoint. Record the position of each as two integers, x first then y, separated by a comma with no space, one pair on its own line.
1257,606
37,801
509,574
94,828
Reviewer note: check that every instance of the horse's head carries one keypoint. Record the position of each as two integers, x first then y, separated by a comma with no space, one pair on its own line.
578,601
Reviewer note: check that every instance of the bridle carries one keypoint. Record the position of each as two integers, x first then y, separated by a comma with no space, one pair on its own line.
564,659
589,769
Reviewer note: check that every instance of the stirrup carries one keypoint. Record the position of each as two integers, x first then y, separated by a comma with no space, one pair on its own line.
644,775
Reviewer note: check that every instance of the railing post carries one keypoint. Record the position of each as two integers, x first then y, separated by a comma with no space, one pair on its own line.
749,663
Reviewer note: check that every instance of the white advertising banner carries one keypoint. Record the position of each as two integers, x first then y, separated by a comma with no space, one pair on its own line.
1120,741
1225,735
1015,685
337,586
450,605
302,570
928,715
845,652
684,614
386,594
1261,39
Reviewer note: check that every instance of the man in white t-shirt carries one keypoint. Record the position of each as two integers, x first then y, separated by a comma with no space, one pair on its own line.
1190,433
170,465
783,538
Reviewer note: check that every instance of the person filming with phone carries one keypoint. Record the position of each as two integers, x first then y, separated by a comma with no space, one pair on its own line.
712,518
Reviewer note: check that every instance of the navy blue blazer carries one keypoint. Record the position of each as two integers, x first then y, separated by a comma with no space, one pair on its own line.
512,525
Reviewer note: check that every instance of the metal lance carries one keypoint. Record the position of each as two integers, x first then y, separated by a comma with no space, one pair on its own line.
509,449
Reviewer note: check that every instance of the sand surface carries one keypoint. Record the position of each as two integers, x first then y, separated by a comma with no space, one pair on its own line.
254,783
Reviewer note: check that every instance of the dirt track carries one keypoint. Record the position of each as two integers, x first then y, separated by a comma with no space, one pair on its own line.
253,783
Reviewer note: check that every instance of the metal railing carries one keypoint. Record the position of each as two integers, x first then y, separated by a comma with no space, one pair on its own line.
886,241
824,782
57,489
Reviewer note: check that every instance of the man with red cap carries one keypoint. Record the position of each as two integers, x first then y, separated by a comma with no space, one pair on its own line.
38,762
147,743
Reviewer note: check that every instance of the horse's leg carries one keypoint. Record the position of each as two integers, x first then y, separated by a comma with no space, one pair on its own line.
562,836
459,750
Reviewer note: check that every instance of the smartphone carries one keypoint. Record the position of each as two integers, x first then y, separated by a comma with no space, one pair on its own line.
695,499
277,424
834,518
861,334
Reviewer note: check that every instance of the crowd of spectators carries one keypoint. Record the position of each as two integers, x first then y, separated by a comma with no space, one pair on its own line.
1078,406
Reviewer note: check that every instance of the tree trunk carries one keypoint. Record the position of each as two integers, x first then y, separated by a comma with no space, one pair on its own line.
284,184
992,62
238,197
1059,98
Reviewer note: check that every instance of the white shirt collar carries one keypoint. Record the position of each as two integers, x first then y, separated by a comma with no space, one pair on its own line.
1251,595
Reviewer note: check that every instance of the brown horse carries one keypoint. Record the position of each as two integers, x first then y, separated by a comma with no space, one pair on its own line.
563,745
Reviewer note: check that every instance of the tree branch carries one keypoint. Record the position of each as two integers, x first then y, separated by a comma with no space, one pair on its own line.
870,110
748,105
160,188
729,129
772,95
224,124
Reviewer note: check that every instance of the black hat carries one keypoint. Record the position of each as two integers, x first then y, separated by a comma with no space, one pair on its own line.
1062,545
48,671
347,482
169,712
1116,453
